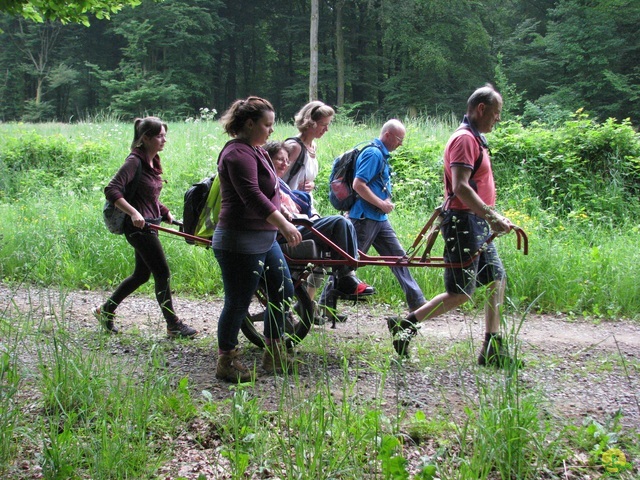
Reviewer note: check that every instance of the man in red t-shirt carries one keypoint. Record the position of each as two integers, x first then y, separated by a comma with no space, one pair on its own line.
468,220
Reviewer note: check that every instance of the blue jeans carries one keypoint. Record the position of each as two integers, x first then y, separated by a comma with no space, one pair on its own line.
383,238
241,273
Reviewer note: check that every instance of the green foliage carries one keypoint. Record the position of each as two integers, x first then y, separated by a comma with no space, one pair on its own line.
573,167
66,12
34,164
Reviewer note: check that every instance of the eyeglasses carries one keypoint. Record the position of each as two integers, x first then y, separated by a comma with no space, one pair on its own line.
400,140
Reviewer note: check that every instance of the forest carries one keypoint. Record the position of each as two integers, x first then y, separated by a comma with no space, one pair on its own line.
376,58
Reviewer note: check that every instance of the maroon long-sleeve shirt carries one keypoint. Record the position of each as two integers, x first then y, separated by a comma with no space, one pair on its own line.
146,199
249,188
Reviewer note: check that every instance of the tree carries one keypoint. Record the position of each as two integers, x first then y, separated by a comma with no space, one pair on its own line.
313,50
340,64
65,12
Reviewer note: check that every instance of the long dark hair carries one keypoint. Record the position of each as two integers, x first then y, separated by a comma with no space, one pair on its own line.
241,111
146,127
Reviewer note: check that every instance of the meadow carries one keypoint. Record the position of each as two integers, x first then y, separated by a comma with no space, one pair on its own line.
78,405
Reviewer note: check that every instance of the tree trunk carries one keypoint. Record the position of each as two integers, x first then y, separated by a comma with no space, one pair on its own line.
340,66
313,50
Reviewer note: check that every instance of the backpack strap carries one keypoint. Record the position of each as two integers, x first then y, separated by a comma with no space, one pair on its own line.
298,164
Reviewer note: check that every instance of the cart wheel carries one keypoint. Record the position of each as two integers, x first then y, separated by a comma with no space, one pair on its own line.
296,328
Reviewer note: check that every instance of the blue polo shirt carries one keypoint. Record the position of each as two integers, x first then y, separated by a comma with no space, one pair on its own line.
372,167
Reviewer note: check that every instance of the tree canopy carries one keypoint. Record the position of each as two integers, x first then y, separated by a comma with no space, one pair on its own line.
386,57
65,12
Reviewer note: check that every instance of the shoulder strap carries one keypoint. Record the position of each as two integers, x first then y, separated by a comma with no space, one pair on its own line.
481,144
373,144
297,165
476,165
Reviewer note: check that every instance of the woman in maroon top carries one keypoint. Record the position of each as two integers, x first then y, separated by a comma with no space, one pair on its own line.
244,241
150,135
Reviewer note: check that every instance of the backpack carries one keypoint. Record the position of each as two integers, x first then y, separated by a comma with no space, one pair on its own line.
341,193
114,217
201,208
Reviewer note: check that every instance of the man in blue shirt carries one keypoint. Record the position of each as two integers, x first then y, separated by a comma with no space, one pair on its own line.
372,183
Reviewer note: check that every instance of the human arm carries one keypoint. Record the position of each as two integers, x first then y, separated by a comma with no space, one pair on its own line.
460,177
362,189
286,228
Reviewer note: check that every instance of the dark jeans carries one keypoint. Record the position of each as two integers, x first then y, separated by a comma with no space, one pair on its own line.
241,273
340,231
150,260
383,238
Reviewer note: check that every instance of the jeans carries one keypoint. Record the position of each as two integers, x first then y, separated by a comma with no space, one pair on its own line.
383,238
150,260
241,273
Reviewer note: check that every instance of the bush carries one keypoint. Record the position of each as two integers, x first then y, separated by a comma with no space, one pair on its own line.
574,167
31,163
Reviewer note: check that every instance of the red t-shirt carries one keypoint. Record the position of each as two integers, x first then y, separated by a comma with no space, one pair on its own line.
461,151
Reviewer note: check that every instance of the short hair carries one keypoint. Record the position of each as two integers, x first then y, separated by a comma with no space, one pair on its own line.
146,127
241,111
272,147
486,94
308,115
393,124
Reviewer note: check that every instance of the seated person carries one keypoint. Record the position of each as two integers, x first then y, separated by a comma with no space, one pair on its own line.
297,204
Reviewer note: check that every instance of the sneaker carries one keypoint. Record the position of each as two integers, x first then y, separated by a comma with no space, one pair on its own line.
352,285
402,331
105,320
494,353
179,329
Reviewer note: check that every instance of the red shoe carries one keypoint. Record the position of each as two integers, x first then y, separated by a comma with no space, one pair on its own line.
351,285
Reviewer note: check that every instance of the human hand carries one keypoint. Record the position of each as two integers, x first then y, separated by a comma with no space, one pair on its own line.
291,234
498,223
387,206
138,220
308,186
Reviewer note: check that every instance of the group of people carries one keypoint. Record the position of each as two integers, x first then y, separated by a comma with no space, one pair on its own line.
265,184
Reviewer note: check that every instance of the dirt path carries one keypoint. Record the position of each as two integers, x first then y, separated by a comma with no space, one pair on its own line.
583,369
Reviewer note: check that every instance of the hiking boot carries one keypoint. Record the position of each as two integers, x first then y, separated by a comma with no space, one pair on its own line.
277,358
231,369
179,329
402,331
105,320
494,353
352,285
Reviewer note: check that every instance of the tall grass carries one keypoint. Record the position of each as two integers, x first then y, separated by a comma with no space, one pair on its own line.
78,410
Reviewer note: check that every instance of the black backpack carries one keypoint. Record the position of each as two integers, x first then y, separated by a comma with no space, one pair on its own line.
341,193
201,208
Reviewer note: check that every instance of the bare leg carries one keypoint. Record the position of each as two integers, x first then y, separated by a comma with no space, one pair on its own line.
492,307
440,304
